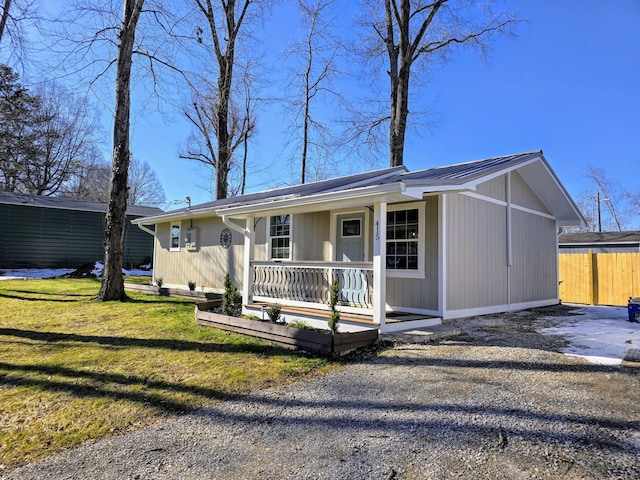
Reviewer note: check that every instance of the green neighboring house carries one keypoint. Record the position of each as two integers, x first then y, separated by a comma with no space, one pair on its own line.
54,232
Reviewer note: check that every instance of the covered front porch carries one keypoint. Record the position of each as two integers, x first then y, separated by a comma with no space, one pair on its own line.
302,288
292,259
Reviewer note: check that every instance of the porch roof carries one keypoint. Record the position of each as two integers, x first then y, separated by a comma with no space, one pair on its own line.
391,185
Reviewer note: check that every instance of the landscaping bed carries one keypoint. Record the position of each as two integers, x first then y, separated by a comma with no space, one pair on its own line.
311,340
170,292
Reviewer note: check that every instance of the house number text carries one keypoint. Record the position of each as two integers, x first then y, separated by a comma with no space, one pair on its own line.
377,230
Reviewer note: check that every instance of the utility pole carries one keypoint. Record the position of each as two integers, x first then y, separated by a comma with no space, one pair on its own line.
599,218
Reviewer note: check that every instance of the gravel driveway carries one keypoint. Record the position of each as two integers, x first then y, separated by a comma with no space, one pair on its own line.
495,402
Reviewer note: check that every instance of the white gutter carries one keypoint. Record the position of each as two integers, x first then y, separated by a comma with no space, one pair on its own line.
234,226
145,229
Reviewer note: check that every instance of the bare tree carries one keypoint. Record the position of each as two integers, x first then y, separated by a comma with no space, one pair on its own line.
98,45
66,135
248,124
112,281
202,144
316,58
144,185
607,195
213,115
16,14
91,182
412,35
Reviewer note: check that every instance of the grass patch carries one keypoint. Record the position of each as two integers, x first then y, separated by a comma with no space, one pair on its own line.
138,279
73,369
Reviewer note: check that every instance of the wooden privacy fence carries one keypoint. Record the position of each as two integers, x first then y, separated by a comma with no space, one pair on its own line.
599,278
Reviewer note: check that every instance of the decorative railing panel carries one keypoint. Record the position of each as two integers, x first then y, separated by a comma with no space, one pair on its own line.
310,282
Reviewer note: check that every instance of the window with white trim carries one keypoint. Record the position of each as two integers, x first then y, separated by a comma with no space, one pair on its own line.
280,237
351,227
405,240
174,237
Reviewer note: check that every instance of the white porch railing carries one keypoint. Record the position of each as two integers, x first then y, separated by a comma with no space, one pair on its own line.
311,281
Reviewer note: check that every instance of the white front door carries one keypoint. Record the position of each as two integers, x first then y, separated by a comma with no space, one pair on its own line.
350,237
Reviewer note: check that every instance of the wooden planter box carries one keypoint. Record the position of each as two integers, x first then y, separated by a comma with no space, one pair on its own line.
315,341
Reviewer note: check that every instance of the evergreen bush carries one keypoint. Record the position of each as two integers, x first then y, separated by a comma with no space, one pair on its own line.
231,298
334,316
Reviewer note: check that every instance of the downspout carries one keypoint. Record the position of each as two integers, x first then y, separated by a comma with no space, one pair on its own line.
509,240
234,226
153,258
146,229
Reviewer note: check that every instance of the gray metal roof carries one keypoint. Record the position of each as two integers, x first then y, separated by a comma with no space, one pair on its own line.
323,186
587,238
461,173
395,184
26,200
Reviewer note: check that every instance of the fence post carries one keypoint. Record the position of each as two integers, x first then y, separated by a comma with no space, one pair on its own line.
593,277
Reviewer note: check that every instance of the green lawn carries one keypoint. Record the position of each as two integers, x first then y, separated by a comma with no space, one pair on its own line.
73,369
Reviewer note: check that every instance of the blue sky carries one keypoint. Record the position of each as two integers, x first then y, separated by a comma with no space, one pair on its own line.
568,85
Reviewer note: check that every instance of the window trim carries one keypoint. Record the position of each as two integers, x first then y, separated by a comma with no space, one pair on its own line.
270,238
171,236
360,221
405,273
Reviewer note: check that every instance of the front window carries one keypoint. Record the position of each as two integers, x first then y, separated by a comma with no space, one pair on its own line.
402,240
174,242
405,240
280,236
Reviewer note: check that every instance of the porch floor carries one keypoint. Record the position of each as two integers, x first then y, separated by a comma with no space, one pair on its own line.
357,318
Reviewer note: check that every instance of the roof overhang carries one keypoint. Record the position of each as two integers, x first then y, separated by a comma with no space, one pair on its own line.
544,182
356,197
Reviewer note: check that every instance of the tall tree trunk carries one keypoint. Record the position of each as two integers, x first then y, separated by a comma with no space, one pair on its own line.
400,105
5,17
112,282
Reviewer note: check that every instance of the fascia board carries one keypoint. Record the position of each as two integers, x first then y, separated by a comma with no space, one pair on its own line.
563,191
318,199
472,185
170,217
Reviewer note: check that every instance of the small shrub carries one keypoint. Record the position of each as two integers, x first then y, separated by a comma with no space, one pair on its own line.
250,316
299,323
274,312
231,298
159,282
192,285
334,316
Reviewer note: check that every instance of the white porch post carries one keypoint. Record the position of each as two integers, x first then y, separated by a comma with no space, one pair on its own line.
379,265
247,281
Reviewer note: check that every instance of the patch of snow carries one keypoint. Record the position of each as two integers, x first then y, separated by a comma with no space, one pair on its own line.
599,334
147,273
35,273
27,273
97,269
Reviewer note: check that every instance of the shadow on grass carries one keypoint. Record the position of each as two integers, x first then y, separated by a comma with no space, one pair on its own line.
107,385
168,344
63,297
48,299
